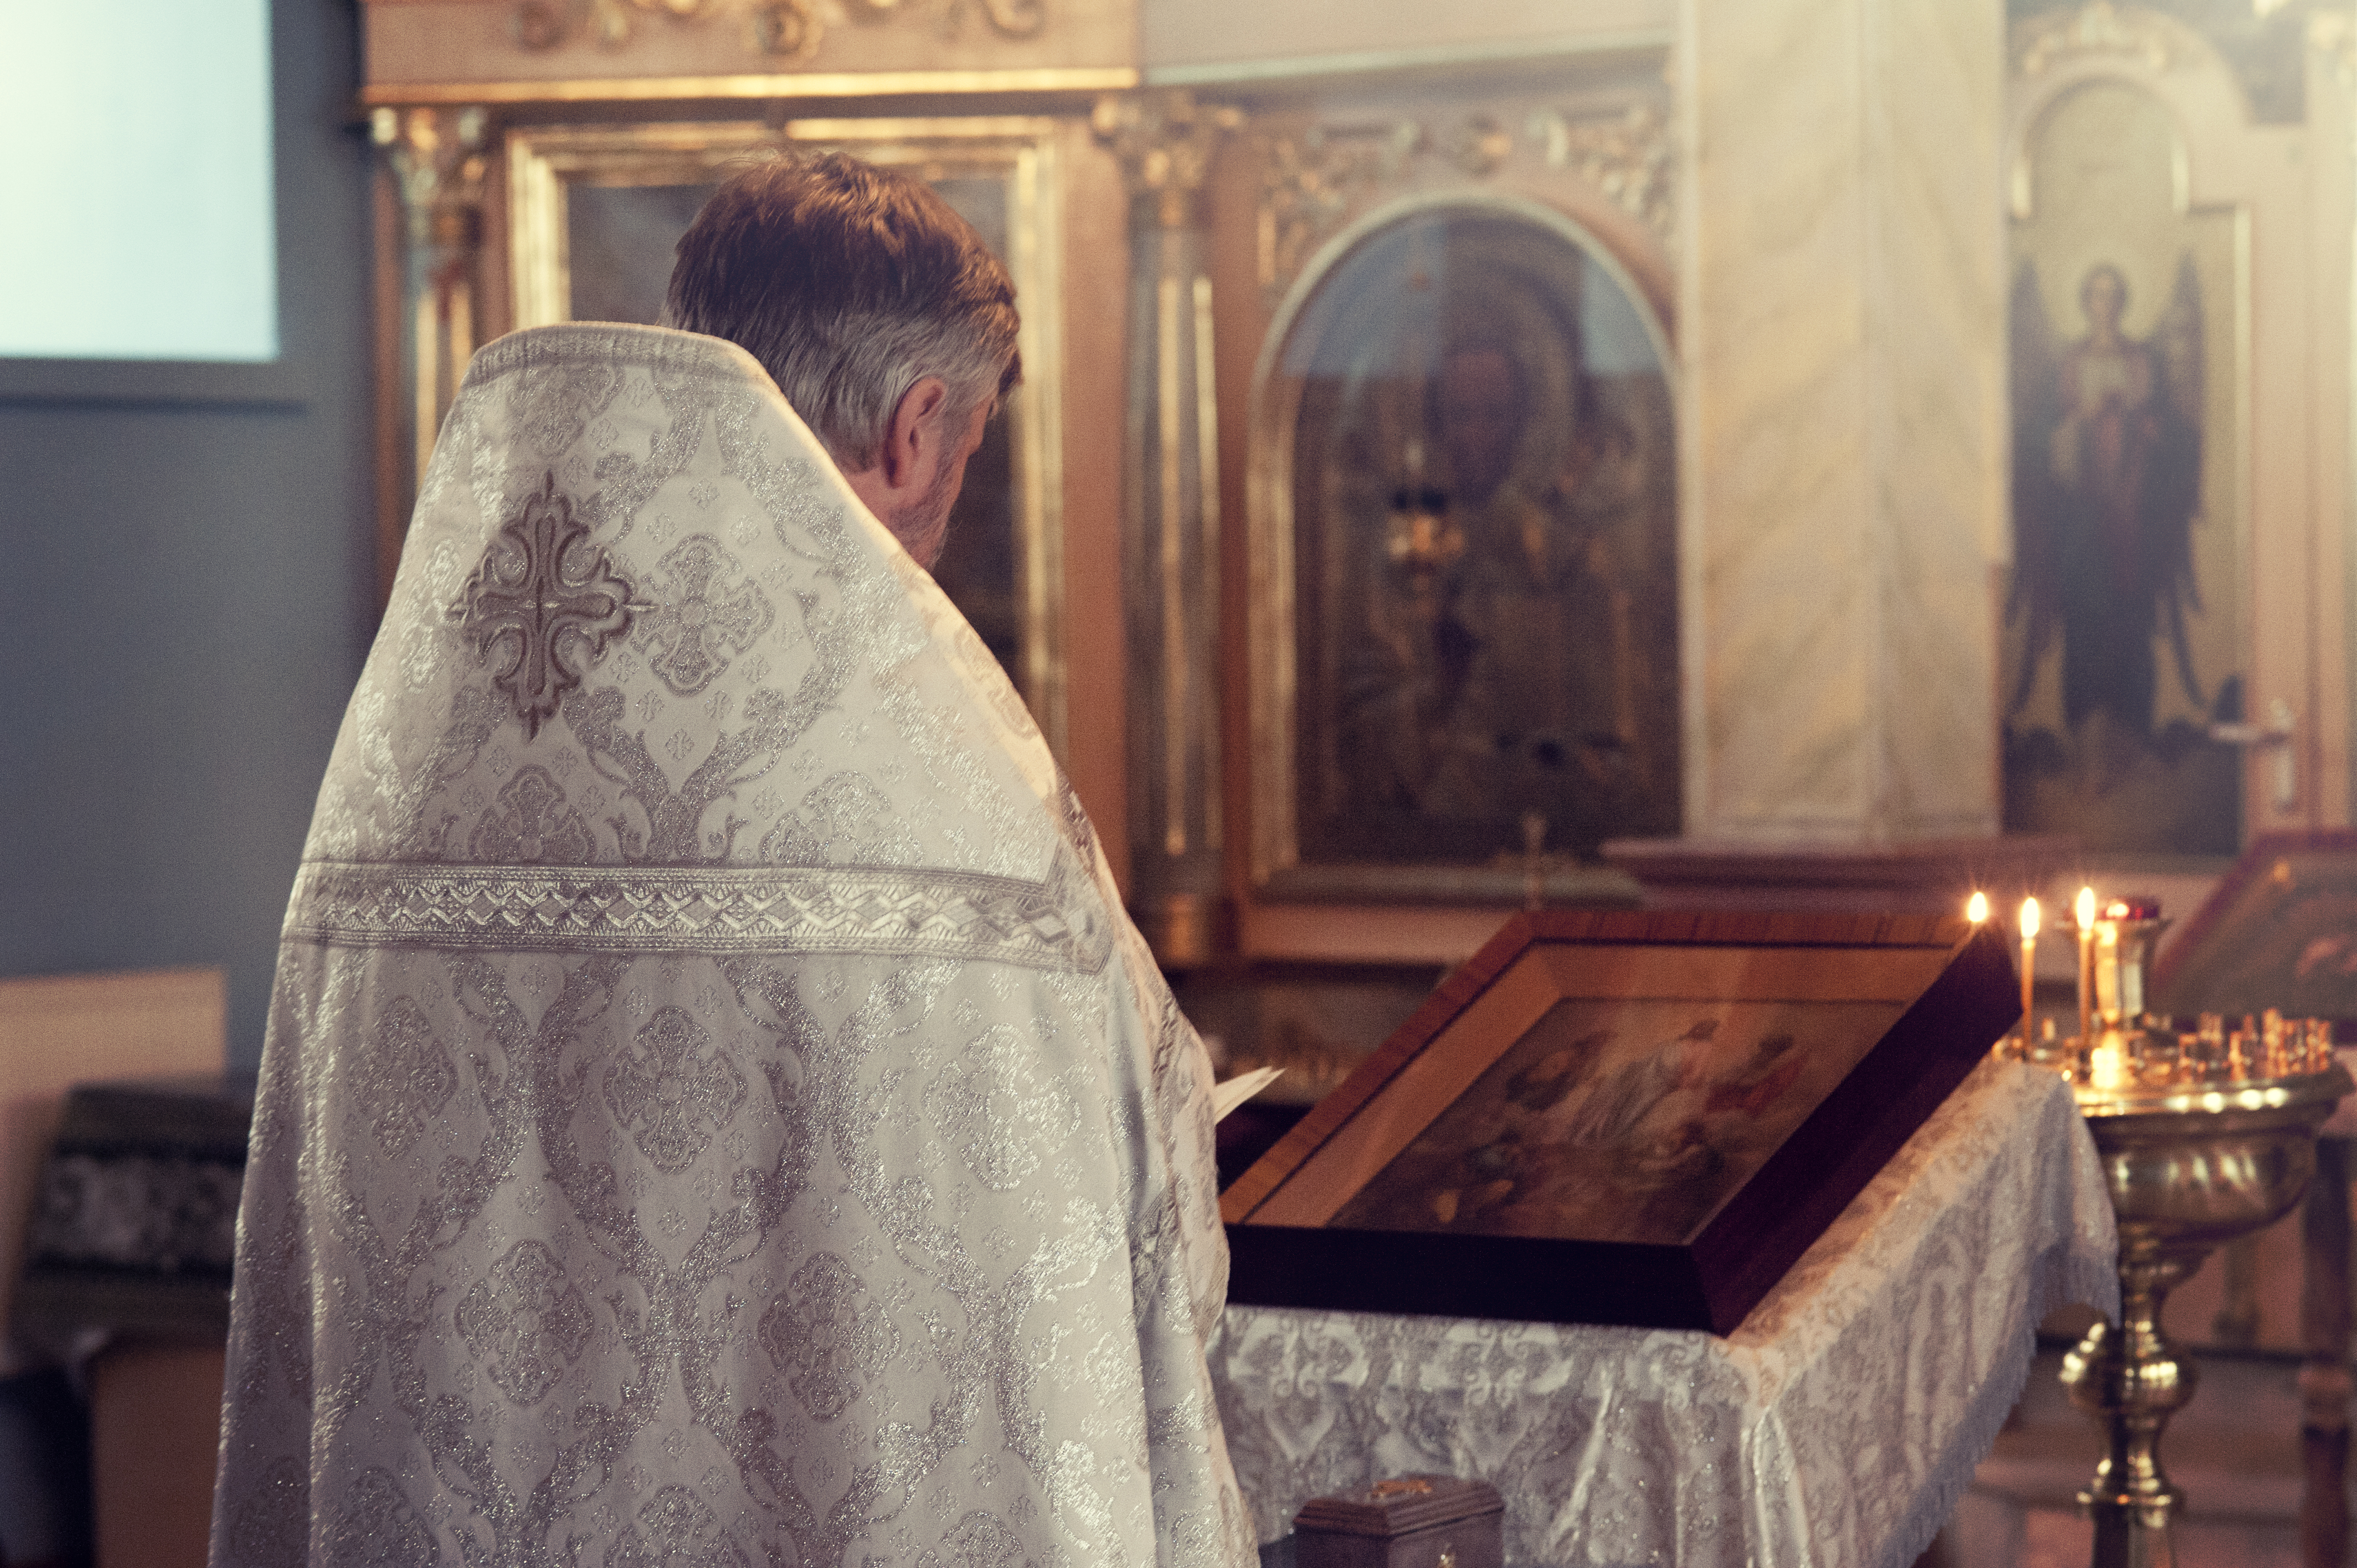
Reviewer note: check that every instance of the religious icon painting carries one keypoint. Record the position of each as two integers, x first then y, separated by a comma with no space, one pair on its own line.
1464,529
2279,931
2124,636
1617,1117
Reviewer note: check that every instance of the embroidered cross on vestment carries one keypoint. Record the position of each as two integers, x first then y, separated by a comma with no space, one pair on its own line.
539,584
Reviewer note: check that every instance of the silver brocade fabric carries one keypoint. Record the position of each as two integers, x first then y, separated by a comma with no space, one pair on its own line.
1836,1428
715,1111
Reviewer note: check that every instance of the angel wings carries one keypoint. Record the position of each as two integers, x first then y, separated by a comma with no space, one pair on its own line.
2106,487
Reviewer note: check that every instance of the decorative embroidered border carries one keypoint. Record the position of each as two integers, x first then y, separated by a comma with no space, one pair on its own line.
704,910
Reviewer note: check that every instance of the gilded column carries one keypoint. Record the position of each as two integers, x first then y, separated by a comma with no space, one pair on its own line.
1170,546
438,165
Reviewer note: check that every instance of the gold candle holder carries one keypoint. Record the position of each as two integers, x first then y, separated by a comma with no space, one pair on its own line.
2189,1167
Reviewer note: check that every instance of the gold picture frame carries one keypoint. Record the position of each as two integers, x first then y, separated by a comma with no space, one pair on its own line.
1019,159
1284,862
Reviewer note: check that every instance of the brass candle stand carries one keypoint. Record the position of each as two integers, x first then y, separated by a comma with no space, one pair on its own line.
2190,1165
2204,1135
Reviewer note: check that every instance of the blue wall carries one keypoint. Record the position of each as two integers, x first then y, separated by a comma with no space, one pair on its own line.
185,601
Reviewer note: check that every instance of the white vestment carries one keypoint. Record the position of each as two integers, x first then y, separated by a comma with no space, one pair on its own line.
715,1111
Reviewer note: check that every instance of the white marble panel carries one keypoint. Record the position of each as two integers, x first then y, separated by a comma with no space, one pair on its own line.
1934,277
1841,341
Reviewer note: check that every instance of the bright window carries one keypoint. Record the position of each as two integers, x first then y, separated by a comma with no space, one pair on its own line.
135,199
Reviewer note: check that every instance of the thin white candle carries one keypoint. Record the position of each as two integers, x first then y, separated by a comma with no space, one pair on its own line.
2084,907
2028,961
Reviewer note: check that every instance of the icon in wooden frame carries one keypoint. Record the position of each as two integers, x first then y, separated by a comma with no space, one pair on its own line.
1613,1117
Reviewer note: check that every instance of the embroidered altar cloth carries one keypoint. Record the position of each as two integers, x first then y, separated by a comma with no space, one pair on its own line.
715,1109
1834,1429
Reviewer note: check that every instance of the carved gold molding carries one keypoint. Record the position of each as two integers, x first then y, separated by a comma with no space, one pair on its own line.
800,85
1165,141
1312,182
2098,28
1625,156
439,163
783,29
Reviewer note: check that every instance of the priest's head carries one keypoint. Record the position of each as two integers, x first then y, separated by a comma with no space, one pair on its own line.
877,310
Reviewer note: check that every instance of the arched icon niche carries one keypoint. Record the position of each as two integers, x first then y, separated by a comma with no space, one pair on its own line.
1465,478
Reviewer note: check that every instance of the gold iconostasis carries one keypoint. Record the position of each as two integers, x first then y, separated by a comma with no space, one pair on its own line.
1436,465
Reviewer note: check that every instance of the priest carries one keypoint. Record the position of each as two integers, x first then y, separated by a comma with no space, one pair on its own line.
716,1110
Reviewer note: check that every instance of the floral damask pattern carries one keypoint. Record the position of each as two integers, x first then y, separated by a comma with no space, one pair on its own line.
525,1321
265,1531
988,1107
823,1337
979,1540
673,1091
530,824
377,1528
696,624
409,1077
552,404
676,1528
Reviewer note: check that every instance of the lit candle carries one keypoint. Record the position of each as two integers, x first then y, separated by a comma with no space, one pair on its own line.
1977,908
2106,1068
2029,960
2108,971
2084,907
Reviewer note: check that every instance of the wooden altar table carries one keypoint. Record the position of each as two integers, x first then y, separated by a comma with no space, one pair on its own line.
1837,1426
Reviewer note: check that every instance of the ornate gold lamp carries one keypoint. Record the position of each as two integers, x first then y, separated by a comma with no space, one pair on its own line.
2203,1135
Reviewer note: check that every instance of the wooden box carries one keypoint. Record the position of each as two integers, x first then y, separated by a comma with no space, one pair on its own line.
1411,1521
1638,1118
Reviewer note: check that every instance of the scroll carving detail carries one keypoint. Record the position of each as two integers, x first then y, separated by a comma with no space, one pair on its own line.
1625,156
1313,181
1165,142
2098,27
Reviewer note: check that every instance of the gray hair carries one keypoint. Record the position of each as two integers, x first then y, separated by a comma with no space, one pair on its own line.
850,284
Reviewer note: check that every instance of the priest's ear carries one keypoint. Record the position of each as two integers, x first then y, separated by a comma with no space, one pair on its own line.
915,438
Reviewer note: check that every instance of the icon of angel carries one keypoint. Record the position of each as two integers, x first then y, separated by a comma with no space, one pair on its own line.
2106,488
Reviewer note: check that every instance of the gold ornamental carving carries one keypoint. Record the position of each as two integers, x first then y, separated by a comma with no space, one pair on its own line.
790,30
2098,28
438,164
439,159
1625,156
1165,141
1311,183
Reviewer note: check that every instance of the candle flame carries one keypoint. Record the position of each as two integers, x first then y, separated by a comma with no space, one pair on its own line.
1976,910
2106,1068
2084,907
2028,918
